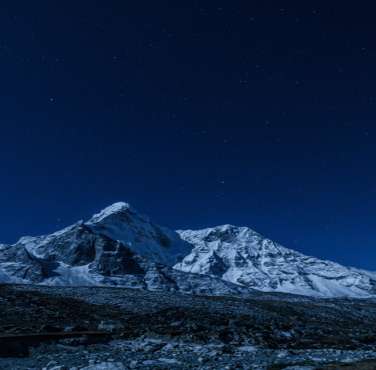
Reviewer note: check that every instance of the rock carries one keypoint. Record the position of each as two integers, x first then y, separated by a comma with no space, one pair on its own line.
300,368
170,361
170,346
247,349
51,363
110,326
69,328
105,366
150,362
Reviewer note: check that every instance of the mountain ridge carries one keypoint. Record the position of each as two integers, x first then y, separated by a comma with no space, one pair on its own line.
120,247
249,259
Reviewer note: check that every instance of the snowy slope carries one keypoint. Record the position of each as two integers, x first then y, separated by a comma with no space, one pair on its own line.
116,247
242,256
121,222
118,222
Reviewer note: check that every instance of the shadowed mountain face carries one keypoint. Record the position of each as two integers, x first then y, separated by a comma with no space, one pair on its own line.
159,244
119,247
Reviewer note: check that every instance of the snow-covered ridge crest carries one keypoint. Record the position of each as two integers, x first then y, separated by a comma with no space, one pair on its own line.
243,256
113,209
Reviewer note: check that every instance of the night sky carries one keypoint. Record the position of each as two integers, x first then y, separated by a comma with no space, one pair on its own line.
197,113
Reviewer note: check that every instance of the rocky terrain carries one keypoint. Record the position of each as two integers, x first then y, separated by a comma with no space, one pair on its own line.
134,329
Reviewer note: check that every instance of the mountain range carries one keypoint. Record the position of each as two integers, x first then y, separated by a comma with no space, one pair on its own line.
120,247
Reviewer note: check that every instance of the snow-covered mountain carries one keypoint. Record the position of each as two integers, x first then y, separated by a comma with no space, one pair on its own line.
119,247
156,243
242,256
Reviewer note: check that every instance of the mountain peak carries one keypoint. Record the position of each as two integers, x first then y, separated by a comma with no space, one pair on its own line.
123,223
223,233
230,254
242,256
116,208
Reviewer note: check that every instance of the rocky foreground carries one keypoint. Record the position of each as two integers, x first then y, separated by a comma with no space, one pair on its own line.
115,328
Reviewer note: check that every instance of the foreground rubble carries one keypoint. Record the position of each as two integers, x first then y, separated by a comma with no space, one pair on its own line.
115,329
152,353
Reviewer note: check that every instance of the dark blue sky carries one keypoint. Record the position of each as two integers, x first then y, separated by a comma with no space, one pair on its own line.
196,112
